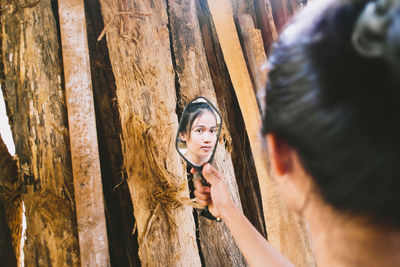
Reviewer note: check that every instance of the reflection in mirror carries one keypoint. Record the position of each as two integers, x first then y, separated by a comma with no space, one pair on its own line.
198,132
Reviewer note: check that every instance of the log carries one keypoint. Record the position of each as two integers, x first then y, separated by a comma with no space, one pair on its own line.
93,241
286,231
139,48
193,77
36,108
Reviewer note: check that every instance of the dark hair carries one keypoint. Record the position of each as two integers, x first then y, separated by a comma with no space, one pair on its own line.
339,109
192,111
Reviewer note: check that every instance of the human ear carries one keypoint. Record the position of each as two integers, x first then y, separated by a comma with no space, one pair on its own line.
279,154
183,137
293,182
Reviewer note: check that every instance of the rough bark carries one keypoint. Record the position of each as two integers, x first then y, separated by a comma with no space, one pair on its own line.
119,210
139,49
193,77
8,188
36,108
246,176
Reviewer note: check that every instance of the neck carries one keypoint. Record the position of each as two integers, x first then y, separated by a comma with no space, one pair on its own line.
345,240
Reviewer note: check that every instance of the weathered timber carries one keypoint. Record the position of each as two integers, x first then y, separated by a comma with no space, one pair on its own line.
193,77
292,6
35,104
280,13
93,241
240,7
245,173
266,22
139,48
123,243
253,47
8,187
286,231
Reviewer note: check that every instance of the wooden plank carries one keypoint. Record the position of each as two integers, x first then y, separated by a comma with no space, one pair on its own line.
89,199
279,11
255,56
265,21
286,231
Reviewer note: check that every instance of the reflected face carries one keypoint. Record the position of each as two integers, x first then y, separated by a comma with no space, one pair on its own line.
201,139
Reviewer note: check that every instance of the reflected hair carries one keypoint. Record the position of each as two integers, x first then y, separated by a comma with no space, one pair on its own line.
338,107
192,111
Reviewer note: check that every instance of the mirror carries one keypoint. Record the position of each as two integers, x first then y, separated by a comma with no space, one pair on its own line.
198,132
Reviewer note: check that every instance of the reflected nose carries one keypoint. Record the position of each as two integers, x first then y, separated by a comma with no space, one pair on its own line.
207,138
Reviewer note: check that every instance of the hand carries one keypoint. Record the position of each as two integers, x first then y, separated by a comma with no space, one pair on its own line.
216,196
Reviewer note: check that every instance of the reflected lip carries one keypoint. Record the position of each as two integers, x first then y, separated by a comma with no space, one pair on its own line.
206,147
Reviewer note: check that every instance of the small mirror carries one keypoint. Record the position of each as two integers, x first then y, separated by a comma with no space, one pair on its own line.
198,132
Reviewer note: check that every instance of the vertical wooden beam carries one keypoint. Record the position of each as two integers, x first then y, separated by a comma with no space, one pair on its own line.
286,231
265,21
92,231
279,10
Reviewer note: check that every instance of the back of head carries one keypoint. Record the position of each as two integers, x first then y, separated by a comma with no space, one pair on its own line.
333,94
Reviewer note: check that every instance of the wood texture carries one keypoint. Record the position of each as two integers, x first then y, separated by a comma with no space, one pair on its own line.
255,57
139,48
193,77
246,175
266,22
123,243
280,13
35,104
93,241
8,188
286,231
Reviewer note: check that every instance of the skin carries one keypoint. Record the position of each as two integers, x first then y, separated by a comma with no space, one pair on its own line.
202,138
338,239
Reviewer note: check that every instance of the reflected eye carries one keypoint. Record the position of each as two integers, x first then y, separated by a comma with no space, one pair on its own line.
199,130
213,131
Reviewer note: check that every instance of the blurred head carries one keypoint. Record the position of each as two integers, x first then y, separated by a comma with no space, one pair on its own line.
198,129
333,97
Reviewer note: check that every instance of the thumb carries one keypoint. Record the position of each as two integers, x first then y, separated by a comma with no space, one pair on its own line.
209,174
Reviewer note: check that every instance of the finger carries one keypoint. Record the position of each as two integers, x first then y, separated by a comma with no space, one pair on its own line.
202,196
210,174
200,187
192,170
203,202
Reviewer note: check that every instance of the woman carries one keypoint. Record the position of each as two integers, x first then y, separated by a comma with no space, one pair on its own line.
332,135
198,130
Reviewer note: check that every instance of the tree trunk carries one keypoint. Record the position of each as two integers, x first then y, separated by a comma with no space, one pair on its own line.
139,48
36,108
193,78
